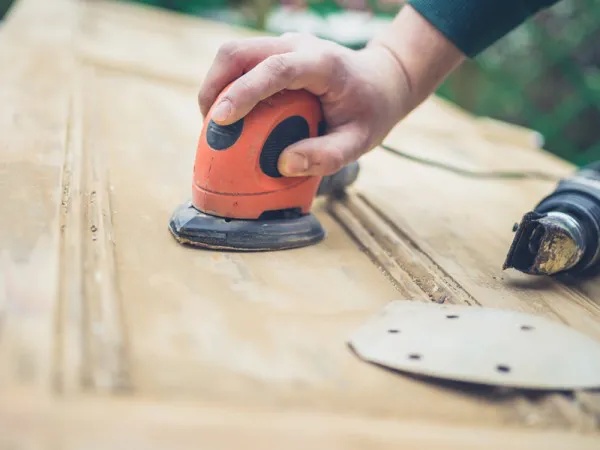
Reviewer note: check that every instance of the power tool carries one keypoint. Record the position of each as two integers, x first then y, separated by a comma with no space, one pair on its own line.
240,201
562,233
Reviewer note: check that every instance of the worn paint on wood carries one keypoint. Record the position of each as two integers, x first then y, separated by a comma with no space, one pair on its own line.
96,297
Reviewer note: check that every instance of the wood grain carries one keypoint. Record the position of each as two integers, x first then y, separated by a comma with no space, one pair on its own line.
33,123
126,332
105,365
469,239
102,423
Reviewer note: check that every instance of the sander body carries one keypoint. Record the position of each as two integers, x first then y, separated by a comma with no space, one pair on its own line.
239,200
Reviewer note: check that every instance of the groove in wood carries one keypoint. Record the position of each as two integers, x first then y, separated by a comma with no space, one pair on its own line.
395,250
90,339
67,357
105,353
400,279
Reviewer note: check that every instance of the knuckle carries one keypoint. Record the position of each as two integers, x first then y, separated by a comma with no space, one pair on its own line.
334,160
204,99
333,57
244,88
327,61
335,61
243,92
335,66
228,50
279,67
290,35
297,36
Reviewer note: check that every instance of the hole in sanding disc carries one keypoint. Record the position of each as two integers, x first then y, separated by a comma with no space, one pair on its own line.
502,368
511,349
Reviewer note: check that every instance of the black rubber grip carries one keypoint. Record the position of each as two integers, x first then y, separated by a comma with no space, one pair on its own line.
322,128
287,132
221,137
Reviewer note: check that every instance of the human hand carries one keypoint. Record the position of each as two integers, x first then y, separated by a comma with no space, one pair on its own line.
364,93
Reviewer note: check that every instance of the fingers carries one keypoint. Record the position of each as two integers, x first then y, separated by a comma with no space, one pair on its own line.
293,70
322,155
234,59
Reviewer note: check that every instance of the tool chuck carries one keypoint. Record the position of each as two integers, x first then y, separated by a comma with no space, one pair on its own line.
562,233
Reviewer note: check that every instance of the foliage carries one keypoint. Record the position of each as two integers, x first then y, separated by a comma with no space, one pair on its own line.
544,75
4,6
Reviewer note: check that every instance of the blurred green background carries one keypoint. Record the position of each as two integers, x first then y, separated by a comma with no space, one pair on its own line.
544,75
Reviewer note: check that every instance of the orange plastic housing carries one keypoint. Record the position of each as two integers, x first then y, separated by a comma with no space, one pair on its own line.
231,183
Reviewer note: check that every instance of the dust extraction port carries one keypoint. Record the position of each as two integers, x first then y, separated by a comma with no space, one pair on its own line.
281,214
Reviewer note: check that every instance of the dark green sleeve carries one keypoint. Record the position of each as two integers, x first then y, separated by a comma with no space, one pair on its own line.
474,25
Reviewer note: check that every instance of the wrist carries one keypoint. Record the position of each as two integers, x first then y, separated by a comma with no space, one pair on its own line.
386,88
422,52
399,75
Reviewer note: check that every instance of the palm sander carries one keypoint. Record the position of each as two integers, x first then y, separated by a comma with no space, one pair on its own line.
240,201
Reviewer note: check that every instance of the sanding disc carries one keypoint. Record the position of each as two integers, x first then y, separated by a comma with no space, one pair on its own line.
194,228
479,345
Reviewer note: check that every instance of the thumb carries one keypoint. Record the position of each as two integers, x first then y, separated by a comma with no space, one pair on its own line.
321,155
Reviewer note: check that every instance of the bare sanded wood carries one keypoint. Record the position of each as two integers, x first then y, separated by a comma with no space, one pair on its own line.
34,120
125,311
154,424
260,329
465,226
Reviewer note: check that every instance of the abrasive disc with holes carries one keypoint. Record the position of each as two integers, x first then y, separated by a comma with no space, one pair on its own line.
479,345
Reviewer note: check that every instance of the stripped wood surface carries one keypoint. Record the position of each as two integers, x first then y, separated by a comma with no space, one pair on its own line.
105,319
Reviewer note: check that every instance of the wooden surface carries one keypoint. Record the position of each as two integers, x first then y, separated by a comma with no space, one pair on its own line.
111,334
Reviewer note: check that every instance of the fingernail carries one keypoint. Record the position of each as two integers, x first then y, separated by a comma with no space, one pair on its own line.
294,164
222,111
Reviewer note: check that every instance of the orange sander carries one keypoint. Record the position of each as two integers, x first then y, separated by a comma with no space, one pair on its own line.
240,201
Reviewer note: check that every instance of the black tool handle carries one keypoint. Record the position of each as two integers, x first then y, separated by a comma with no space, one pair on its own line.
336,183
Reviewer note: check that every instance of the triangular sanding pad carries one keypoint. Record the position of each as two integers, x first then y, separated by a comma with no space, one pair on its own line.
479,345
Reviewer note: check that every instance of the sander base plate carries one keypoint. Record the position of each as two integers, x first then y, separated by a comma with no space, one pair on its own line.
192,227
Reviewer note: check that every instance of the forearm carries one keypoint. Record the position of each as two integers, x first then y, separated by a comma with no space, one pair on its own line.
430,38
